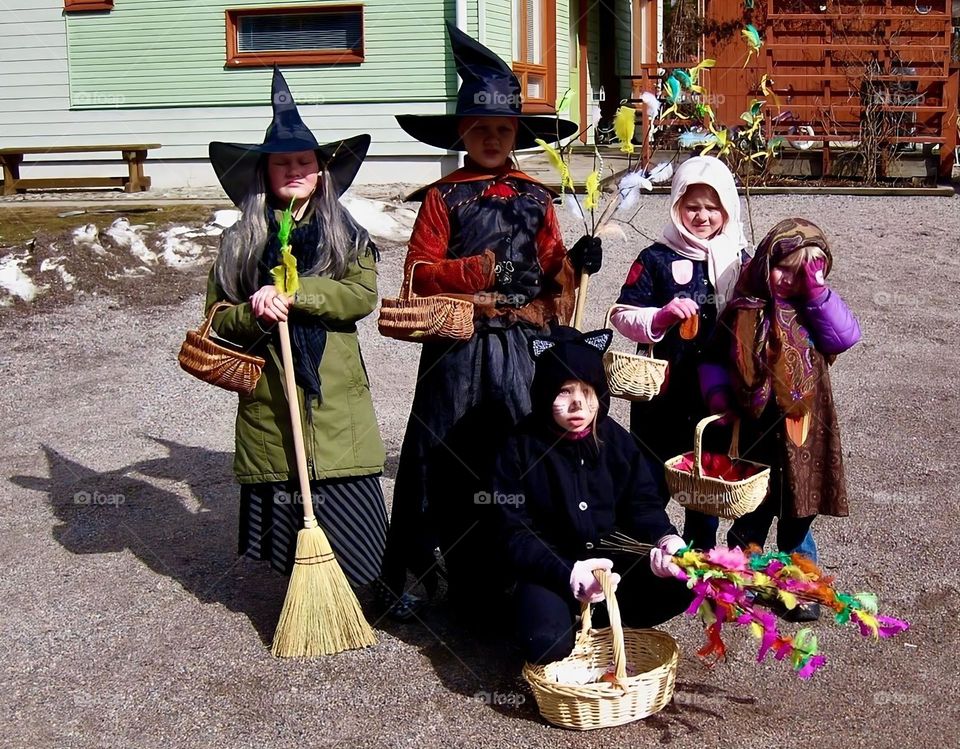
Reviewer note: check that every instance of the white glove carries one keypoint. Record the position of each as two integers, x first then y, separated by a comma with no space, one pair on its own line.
661,556
584,586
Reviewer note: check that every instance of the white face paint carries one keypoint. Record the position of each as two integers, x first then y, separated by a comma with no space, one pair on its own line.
575,406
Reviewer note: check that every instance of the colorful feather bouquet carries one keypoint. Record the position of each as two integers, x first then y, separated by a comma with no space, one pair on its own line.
629,186
732,586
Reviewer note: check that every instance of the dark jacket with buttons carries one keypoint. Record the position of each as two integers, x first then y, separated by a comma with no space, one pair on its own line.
665,424
557,498
651,283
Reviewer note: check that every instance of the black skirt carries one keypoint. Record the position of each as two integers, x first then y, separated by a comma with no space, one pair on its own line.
469,396
350,511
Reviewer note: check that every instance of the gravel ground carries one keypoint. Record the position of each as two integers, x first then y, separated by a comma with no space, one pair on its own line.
129,620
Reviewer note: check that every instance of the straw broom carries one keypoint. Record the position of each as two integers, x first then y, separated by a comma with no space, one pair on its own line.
321,614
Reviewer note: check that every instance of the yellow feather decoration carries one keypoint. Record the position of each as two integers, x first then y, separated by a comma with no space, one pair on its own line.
557,162
285,276
624,124
870,621
789,599
593,191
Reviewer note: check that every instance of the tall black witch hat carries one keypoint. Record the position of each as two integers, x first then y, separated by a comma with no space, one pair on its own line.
236,163
489,89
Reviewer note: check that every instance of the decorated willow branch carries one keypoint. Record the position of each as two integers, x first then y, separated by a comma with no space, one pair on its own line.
627,195
729,586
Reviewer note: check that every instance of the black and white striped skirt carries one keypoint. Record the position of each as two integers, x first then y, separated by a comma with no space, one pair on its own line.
351,512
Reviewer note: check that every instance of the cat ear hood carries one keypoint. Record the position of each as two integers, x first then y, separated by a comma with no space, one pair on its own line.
568,354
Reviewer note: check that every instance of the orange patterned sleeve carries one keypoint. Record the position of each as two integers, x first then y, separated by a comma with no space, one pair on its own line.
428,244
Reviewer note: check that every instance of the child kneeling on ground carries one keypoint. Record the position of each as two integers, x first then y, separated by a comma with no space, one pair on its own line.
574,476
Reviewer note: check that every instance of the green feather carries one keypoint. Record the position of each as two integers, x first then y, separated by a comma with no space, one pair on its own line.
285,276
684,77
286,225
867,601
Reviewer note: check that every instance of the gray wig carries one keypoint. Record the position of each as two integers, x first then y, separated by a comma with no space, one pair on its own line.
342,240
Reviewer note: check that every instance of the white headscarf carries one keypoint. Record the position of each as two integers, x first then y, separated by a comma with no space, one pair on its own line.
722,251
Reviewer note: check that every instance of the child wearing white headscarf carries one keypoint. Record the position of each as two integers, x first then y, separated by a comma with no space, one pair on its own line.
671,300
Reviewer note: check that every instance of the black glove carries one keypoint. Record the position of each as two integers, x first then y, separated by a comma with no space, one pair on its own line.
586,255
518,282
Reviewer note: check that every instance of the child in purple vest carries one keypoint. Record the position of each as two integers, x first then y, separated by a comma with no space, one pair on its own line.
785,327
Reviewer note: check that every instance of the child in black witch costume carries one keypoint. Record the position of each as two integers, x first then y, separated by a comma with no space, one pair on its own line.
490,231
336,262
568,478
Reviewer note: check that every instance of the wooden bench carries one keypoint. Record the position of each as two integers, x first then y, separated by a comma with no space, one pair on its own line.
133,155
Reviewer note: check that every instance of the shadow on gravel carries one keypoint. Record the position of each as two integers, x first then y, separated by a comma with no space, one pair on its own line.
479,660
475,659
187,535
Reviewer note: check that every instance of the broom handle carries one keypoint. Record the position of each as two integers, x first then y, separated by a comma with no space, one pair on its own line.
309,521
581,301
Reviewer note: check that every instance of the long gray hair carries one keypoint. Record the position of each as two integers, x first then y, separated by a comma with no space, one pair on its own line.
341,239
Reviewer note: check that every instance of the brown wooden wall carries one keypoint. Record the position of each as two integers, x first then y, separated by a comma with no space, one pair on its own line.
819,60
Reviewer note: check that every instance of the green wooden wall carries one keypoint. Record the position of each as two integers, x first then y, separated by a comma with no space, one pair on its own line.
149,53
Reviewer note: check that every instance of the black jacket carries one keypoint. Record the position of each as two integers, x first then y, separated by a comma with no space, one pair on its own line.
557,498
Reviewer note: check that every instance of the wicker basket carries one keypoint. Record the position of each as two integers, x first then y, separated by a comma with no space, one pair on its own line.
715,496
633,377
425,318
602,704
218,363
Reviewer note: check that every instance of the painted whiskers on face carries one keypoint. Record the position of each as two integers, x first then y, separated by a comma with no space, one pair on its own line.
576,406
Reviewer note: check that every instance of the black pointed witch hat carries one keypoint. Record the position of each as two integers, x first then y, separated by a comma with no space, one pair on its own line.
489,89
236,163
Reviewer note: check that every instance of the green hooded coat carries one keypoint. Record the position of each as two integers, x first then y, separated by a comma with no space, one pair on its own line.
341,432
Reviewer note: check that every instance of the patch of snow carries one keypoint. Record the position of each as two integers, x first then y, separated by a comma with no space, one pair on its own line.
130,273
225,218
88,236
381,219
54,263
128,236
178,250
14,281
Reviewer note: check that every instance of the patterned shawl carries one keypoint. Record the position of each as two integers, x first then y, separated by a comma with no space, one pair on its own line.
772,350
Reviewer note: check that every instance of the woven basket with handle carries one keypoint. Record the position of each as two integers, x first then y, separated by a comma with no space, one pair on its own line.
219,363
633,377
715,496
651,656
425,318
